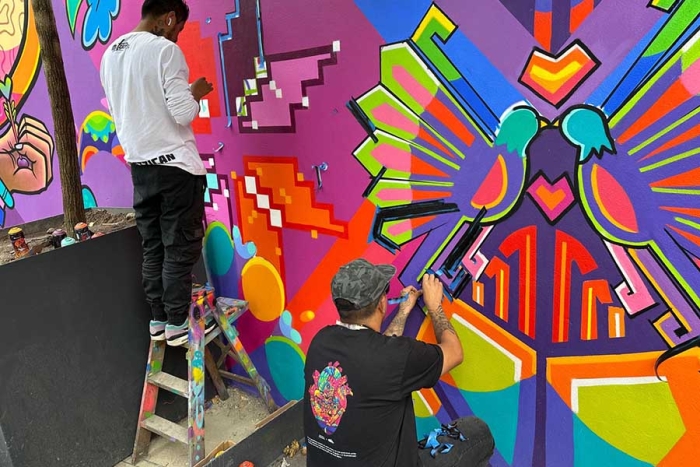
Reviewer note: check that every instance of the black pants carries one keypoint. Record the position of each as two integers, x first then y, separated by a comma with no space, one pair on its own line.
474,452
169,205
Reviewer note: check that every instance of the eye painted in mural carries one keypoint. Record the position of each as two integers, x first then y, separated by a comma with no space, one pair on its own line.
588,262
26,147
97,22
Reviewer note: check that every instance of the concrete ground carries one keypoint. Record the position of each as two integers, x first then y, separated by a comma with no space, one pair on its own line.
297,461
230,420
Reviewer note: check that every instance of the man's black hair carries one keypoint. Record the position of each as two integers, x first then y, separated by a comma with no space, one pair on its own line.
348,313
155,8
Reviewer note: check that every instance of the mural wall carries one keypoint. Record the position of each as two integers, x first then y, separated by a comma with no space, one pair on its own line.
28,162
572,122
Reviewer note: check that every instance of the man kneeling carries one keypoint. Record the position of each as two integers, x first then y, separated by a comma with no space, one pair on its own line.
358,409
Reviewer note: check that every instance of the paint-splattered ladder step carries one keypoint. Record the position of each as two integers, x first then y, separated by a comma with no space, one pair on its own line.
170,383
166,429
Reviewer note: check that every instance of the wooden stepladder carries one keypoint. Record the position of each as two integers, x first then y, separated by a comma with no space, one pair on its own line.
225,311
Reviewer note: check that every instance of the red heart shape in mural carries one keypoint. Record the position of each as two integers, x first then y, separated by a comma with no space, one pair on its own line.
553,199
555,77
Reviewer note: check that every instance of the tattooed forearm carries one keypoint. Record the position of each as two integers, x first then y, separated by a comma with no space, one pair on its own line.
398,323
440,323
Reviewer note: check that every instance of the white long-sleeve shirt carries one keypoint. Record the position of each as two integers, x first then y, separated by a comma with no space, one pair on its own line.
145,78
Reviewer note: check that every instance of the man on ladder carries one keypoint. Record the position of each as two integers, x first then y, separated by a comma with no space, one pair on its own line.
145,78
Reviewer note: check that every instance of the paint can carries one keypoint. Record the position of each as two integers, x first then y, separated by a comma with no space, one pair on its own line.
82,232
57,237
68,241
19,243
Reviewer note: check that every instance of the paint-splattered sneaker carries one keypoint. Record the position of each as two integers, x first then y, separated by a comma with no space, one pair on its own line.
178,335
157,330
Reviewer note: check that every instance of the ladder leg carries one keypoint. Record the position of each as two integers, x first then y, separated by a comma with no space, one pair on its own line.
237,347
213,370
196,358
211,364
149,399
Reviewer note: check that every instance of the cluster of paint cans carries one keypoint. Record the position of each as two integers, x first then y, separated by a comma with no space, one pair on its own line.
59,238
82,234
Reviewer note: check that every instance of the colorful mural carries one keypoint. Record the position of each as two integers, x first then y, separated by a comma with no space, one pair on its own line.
573,123
26,157
598,202
29,189
586,269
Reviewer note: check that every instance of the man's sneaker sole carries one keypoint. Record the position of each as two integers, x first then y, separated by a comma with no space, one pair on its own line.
158,337
178,341
183,338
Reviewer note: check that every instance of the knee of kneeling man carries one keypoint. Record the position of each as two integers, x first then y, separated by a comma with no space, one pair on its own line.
474,427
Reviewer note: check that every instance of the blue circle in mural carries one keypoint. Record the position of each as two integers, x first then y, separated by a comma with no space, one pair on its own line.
219,249
286,362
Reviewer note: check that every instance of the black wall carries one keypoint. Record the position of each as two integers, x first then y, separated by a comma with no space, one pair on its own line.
265,445
74,327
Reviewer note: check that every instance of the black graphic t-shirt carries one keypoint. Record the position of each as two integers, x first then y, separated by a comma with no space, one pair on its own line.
358,409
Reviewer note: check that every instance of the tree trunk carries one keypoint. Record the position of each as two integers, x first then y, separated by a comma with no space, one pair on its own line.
64,123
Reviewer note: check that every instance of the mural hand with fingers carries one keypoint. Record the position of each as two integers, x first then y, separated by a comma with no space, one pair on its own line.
26,147
26,158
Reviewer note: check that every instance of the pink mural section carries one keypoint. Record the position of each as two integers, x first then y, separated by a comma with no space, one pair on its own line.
270,103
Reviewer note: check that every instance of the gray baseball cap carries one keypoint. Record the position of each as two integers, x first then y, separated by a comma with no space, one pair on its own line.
360,282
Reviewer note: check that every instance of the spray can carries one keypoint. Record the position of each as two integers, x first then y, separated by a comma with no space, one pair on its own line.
57,237
82,232
68,241
19,243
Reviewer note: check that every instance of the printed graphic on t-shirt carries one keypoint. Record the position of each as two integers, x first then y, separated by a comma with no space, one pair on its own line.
328,397
160,160
122,45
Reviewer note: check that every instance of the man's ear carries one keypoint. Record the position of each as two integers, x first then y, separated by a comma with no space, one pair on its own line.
380,308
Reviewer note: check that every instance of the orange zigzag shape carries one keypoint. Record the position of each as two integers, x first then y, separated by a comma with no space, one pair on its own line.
280,180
